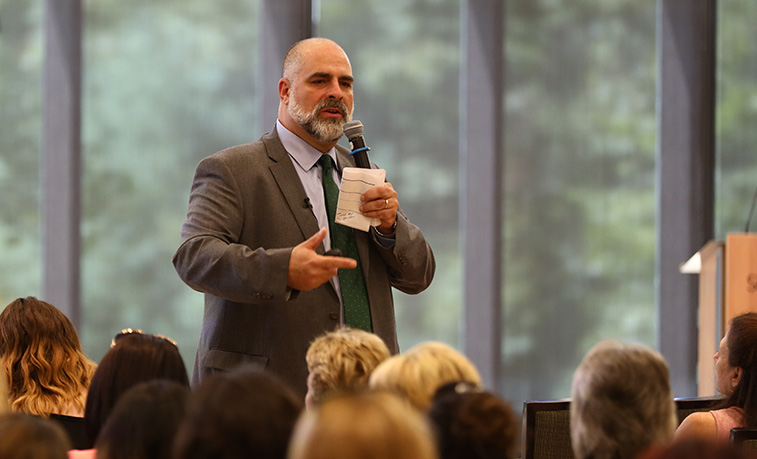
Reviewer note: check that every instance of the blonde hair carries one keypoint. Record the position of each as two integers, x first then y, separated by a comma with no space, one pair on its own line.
41,355
369,425
419,372
343,360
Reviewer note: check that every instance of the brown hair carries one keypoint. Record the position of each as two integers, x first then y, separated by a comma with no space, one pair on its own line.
42,357
742,352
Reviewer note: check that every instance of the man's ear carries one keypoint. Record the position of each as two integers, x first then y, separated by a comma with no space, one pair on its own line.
736,376
284,91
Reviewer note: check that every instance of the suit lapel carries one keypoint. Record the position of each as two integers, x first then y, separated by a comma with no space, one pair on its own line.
288,181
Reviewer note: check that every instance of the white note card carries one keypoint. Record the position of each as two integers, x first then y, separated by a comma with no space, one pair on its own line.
356,181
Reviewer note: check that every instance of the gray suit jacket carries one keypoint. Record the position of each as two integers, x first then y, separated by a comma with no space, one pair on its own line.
247,210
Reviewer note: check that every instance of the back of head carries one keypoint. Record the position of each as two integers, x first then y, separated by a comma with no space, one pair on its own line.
343,360
239,414
622,402
41,353
144,421
471,423
742,352
419,372
369,425
135,357
24,436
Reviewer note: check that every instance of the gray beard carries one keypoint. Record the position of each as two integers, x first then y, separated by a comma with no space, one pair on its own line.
325,130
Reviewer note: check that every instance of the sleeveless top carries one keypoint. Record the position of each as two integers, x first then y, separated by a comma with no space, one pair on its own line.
725,420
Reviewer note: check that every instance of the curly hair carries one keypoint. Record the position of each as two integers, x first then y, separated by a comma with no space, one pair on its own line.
343,360
42,357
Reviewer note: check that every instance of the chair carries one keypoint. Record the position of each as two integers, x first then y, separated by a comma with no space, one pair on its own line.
546,429
744,437
74,427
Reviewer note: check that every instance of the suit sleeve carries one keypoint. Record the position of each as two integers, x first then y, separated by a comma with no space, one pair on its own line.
411,262
210,258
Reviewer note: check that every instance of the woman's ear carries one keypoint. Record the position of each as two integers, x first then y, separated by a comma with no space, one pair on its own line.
736,376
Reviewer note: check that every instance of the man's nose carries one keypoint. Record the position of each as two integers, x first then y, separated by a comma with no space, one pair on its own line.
334,90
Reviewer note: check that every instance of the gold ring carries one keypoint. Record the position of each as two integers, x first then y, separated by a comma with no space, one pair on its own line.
386,203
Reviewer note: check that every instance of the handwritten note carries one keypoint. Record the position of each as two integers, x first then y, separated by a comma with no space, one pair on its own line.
356,181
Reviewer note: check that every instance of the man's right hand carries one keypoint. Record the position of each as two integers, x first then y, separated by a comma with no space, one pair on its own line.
308,270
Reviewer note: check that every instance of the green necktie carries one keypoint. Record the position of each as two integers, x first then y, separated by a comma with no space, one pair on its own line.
357,313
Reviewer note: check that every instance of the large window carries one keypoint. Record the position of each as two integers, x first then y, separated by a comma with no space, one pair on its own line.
736,116
165,84
20,127
579,187
406,62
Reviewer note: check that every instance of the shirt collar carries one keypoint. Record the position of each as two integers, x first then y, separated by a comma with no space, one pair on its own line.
304,154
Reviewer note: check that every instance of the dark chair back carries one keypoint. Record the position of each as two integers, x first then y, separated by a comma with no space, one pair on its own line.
546,429
744,437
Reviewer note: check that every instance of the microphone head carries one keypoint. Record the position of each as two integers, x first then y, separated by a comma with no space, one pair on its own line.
353,129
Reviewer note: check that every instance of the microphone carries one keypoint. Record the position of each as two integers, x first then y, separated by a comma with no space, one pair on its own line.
354,132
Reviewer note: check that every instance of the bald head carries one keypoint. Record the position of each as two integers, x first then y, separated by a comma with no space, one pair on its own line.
298,53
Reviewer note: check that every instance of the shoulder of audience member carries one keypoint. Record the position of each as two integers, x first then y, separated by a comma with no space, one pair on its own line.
697,425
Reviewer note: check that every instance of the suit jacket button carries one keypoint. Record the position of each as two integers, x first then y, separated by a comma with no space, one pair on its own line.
334,316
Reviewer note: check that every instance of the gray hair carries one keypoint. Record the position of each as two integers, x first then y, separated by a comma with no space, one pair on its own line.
622,402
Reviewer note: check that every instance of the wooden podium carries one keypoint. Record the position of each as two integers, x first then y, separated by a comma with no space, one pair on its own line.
727,287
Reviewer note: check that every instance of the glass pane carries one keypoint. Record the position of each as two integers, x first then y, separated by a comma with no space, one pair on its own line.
736,115
579,187
166,84
405,60
21,60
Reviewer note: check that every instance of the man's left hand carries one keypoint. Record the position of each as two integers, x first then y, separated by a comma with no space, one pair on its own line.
381,202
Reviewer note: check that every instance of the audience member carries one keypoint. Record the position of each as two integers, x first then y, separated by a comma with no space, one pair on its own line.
42,356
371,425
419,372
134,357
736,378
243,413
471,423
622,403
25,436
144,421
342,360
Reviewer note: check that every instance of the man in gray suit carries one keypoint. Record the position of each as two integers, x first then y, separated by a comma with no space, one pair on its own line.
257,230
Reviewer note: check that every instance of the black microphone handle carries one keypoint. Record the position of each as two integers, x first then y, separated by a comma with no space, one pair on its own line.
361,157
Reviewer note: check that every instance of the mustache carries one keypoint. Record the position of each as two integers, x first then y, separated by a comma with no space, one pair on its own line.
331,103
